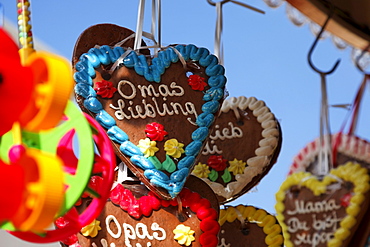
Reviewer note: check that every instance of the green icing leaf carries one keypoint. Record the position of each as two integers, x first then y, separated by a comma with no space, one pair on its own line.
213,175
168,164
226,176
155,161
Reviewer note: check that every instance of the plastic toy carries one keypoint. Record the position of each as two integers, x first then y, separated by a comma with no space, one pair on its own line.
104,165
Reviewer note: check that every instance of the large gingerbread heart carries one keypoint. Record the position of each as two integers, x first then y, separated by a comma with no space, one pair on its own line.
325,212
241,149
347,148
136,217
157,110
243,226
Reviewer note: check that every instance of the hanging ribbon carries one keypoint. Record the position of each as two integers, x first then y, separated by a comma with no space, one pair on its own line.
155,26
156,19
218,46
352,116
139,25
325,161
218,49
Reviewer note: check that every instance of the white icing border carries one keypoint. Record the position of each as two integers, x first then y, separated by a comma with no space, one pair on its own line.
267,145
350,145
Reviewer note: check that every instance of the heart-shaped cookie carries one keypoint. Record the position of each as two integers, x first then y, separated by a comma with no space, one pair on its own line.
135,216
248,226
325,212
241,149
157,110
348,148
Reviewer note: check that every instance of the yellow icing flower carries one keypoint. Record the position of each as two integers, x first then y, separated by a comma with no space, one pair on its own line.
174,148
92,229
201,170
148,147
237,166
184,235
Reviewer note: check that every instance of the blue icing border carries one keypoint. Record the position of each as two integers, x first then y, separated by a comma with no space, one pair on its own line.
85,72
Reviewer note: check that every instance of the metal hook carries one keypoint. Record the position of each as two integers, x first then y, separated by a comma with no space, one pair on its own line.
214,4
357,61
309,56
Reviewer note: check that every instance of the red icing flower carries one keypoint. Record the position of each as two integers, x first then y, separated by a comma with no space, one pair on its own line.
155,131
105,89
217,162
197,82
345,200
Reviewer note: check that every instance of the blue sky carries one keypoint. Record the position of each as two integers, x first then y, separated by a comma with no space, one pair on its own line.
264,57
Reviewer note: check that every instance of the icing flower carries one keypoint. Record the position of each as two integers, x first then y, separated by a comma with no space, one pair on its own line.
105,89
197,82
155,131
148,147
345,200
201,170
92,229
237,166
174,148
217,162
184,235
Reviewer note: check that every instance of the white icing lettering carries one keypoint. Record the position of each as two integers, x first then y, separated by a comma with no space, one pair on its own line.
173,85
295,225
233,132
155,227
125,82
317,229
104,242
119,113
229,132
208,150
327,222
129,233
150,91
107,223
150,107
144,231
301,207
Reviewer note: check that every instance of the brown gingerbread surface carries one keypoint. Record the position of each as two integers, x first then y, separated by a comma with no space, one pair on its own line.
247,136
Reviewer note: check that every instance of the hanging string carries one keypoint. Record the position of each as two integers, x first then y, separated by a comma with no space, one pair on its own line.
139,25
325,161
218,46
156,19
155,26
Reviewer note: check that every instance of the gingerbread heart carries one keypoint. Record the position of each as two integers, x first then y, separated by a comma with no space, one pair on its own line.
241,149
135,216
248,226
325,212
347,148
157,110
